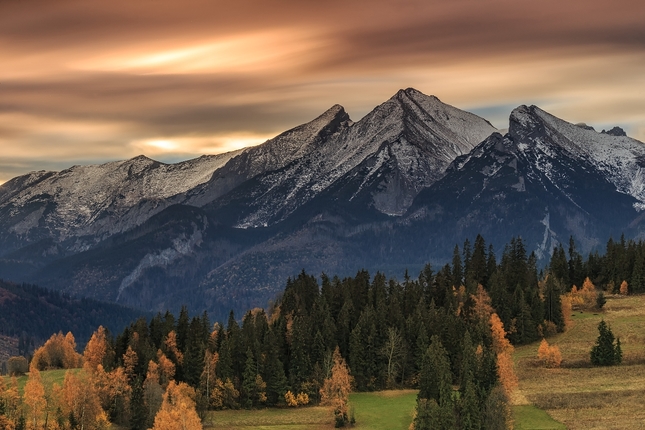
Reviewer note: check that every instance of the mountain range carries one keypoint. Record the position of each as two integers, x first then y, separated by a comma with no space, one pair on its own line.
390,192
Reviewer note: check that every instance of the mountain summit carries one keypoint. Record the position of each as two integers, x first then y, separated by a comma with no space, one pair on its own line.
394,190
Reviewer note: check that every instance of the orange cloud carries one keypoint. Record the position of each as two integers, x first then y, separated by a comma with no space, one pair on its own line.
94,81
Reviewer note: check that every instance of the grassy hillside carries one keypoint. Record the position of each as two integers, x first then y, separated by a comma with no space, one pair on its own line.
582,396
49,378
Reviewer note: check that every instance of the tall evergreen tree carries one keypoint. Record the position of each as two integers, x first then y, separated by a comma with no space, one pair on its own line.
552,303
605,352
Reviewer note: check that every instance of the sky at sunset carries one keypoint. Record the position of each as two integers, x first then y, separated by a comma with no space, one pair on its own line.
93,81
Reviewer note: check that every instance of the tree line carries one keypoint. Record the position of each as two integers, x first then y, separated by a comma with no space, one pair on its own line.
453,327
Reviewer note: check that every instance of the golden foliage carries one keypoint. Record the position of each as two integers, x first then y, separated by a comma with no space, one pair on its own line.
624,288
565,303
152,374
503,349
290,399
178,409
59,352
293,401
172,349
111,386
500,342
335,390
302,399
549,355
6,423
11,398
166,369
95,350
130,360
224,395
81,399
585,297
506,372
34,397
483,308
208,376
260,389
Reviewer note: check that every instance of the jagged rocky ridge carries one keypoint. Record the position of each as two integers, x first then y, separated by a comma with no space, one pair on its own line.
392,191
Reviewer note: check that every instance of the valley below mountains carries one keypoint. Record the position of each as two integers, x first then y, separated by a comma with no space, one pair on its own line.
392,191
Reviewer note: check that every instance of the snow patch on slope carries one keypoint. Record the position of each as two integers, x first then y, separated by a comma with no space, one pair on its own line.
181,246
620,158
81,198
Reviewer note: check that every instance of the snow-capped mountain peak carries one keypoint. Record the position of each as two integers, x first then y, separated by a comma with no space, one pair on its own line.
620,158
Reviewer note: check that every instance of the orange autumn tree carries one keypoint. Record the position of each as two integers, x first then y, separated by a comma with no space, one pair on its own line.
585,297
95,350
34,398
483,307
335,390
566,311
178,409
208,377
59,352
172,351
624,288
503,348
549,355
10,397
113,391
80,401
130,360
166,369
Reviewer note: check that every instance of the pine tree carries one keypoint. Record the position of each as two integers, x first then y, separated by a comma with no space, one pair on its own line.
457,269
604,352
248,380
553,304
435,380
299,363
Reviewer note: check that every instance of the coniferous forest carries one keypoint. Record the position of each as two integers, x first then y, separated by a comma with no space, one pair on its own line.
448,332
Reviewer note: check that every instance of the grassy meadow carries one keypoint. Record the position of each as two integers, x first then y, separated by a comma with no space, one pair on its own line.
581,396
385,410
49,378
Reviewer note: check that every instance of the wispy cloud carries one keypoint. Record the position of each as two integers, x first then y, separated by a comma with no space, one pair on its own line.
96,81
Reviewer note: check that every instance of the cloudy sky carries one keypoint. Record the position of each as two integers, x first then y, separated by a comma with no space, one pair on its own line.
90,81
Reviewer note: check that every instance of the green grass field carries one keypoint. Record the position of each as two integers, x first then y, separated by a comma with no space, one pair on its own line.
49,378
386,410
529,417
581,396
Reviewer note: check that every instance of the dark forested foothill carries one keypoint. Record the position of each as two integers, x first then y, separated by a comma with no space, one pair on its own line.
32,314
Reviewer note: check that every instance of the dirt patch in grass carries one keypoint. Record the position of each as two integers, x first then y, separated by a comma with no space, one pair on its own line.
395,393
276,419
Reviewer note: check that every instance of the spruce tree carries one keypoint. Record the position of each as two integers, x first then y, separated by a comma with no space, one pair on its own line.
248,381
604,352
300,361
552,303
435,380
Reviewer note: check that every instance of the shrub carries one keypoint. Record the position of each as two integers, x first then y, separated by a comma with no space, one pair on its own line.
549,354
17,366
